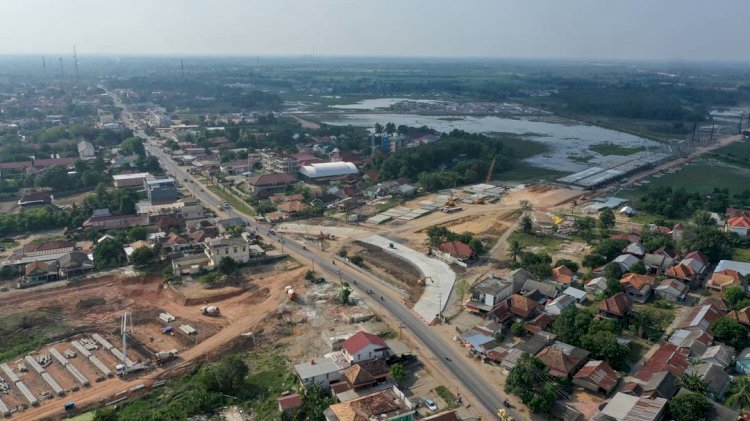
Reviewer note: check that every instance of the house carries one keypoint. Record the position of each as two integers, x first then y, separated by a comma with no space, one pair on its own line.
623,407
35,199
103,221
132,247
321,371
44,251
266,184
636,249
596,286
626,261
742,315
533,288
661,385
627,211
556,306
37,272
456,250
168,222
695,341
742,267
697,260
294,207
523,306
668,357
577,294
365,374
721,355
615,307
666,252
477,341
739,225
219,248
191,264
289,402
638,287
672,290
386,405
716,302
519,278
597,376
563,275
562,359
229,224
657,263
537,343
714,376
724,279
488,293
363,346
701,317
74,263
539,323
742,362
683,272
86,150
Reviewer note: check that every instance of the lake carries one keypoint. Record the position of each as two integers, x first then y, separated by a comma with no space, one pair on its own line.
565,138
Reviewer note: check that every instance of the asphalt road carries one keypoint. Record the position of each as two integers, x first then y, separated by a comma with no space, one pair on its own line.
445,352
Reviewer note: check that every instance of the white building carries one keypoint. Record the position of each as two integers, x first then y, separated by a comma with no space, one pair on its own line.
236,248
86,150
363,346
328,170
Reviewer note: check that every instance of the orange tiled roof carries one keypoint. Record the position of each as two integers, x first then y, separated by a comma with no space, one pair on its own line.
739,222
522,306
618,304
726,277
681,271
562,274
742,315
637,281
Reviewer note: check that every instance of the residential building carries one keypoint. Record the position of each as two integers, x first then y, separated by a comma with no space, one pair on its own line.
577,294
615,307
321,371
714,376
191,264
623,407
489,292
267,184
537,343
597,285
724,279
365,374
721,355
636,249
657,263
219,248
661,385
294,207
739,225
328,171
86,150
130,181
363,346
701,317
74,263
45,248
695,341
742,267
563,275
638,287
102,220
668,357
556,306
386,405
742,362
683,272
598,377
229,224
742,315
175,242
289,402
37,272
35,199
672,290
562,359
626,261
278,164
456,250
523,306
443,416
532,288
697,260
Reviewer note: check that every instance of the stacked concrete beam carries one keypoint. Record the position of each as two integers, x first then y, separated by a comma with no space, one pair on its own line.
4,410
100,365
45,376
10,373
27,393
78,346
70,367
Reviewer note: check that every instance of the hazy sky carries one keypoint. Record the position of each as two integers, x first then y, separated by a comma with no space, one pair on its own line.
650,29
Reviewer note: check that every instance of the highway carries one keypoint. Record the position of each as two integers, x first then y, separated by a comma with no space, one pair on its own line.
446,354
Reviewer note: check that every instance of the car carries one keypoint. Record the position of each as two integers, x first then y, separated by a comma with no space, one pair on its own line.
430,404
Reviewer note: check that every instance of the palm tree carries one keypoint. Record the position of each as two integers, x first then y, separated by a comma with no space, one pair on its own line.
739,394
693,383
514,250
526,206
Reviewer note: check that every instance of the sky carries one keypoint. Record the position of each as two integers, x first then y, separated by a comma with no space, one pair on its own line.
569,29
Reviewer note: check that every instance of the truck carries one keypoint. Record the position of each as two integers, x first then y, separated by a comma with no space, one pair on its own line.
210,311
290,293
164,356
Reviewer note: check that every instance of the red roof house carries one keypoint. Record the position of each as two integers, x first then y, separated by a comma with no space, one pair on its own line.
563,275
667,358
597,376
363,346
458,250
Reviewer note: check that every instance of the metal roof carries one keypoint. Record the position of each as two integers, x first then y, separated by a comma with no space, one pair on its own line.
329,169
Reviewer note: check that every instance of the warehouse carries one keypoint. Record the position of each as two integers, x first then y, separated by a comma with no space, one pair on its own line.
328,170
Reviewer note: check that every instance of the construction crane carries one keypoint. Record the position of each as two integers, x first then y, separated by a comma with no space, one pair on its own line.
489,171
126,323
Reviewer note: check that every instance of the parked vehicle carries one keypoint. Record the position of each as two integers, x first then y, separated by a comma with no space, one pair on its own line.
430,404
210,311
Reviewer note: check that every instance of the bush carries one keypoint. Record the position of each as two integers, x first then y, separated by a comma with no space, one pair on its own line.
357,260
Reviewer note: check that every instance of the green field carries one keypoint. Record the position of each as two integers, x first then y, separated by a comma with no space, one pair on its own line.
238,204
701,176
612,149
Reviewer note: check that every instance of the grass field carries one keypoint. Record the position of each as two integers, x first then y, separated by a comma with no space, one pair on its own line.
612,149
237,203
741,254
701,177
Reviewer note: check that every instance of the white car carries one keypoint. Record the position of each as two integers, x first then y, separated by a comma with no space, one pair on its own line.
430,404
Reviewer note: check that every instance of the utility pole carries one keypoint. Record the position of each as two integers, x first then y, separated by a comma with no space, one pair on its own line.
44,67
182,68
62,69
75,64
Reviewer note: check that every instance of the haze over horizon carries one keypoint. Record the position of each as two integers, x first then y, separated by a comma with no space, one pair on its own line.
587,29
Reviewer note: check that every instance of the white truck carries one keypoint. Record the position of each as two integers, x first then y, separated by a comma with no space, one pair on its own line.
210,311
164,356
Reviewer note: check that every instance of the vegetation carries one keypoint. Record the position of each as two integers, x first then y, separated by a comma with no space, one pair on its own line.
447,396
439,235
739,394
730,332
227,265
598,336
530,380
689,406
108,253
614,149
735,298
398,372
141,256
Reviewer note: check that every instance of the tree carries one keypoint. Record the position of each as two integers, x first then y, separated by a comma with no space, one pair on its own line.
612,271
739,394
227,265
518,329
314,402
716,244
604,345
105,413
526,207
689,406
225,376
398,372
514,249
607,218
137,234
593,261
530,381
344,293
693,383
378,128
134,146
357,260
126,205
573,266
343,252
730,331
526,225
736,298
142,256
108,254
390,128
639,268
462,288
571,324
613,287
